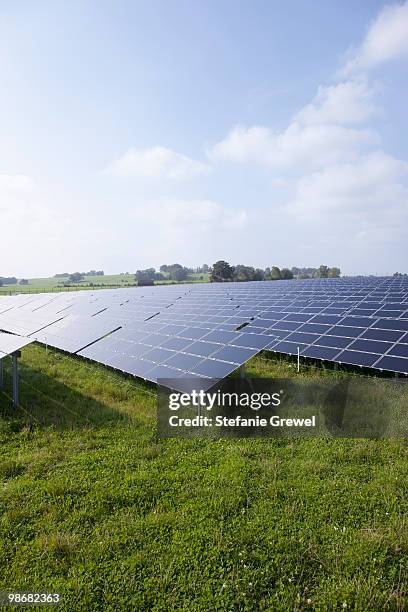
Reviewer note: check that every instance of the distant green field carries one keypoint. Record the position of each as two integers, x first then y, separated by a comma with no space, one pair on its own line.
95,506
37,285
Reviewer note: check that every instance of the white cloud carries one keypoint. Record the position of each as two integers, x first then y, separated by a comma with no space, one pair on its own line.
344,103
374,189
343,195
319,135
299,146
157,162
386,39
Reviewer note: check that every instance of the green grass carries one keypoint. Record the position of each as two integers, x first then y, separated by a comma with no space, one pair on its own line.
95,506
38,285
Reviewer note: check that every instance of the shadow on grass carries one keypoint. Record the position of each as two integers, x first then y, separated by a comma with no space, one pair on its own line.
45,401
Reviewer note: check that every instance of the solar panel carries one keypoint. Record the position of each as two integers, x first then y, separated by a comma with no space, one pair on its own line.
208,330
24,323
334,341
393,364
73,332
10,344
357,358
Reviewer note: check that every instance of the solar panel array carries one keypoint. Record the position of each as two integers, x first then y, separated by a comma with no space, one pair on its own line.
208,330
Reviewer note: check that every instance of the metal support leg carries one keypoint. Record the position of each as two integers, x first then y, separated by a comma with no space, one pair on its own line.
1,375
242,372
15,379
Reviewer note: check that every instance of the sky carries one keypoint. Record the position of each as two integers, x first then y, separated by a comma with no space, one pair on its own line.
136,133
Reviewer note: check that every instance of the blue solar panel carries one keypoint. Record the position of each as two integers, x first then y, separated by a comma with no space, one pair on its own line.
357,358
320,352
334,341
363,321
399,350
394,364
370,346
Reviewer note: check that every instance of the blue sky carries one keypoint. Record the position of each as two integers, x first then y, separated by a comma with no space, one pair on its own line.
139,133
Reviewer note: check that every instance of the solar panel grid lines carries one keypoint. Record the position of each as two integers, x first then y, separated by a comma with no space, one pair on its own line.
340,343
336,319
354,351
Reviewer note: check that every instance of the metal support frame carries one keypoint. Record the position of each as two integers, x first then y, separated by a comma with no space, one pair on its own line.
14,361
242,371
14,358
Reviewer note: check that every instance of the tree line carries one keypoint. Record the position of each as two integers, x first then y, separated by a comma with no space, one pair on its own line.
79,275
222,271
173,272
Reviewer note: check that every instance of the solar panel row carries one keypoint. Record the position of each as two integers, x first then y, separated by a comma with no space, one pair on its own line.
209,330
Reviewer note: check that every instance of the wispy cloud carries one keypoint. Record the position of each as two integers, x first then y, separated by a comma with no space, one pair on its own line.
344,103
157,162
338,179
298,147
386,39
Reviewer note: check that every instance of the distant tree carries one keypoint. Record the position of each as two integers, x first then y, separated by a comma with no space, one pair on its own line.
275,273
247,273
334,272
177,272
286,274
63,275
243,273
267,273
1,282
145,277
205,268
23,281
303,272
76,277
322,272
221,271
259,274
94,273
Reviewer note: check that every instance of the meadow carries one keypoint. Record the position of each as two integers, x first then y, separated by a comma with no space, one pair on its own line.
51,284
94,505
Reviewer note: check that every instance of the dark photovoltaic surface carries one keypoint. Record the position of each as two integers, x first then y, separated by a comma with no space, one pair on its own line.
208,330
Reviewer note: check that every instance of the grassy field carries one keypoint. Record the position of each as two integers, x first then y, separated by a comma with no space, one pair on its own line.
38,285
54,284
95,506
